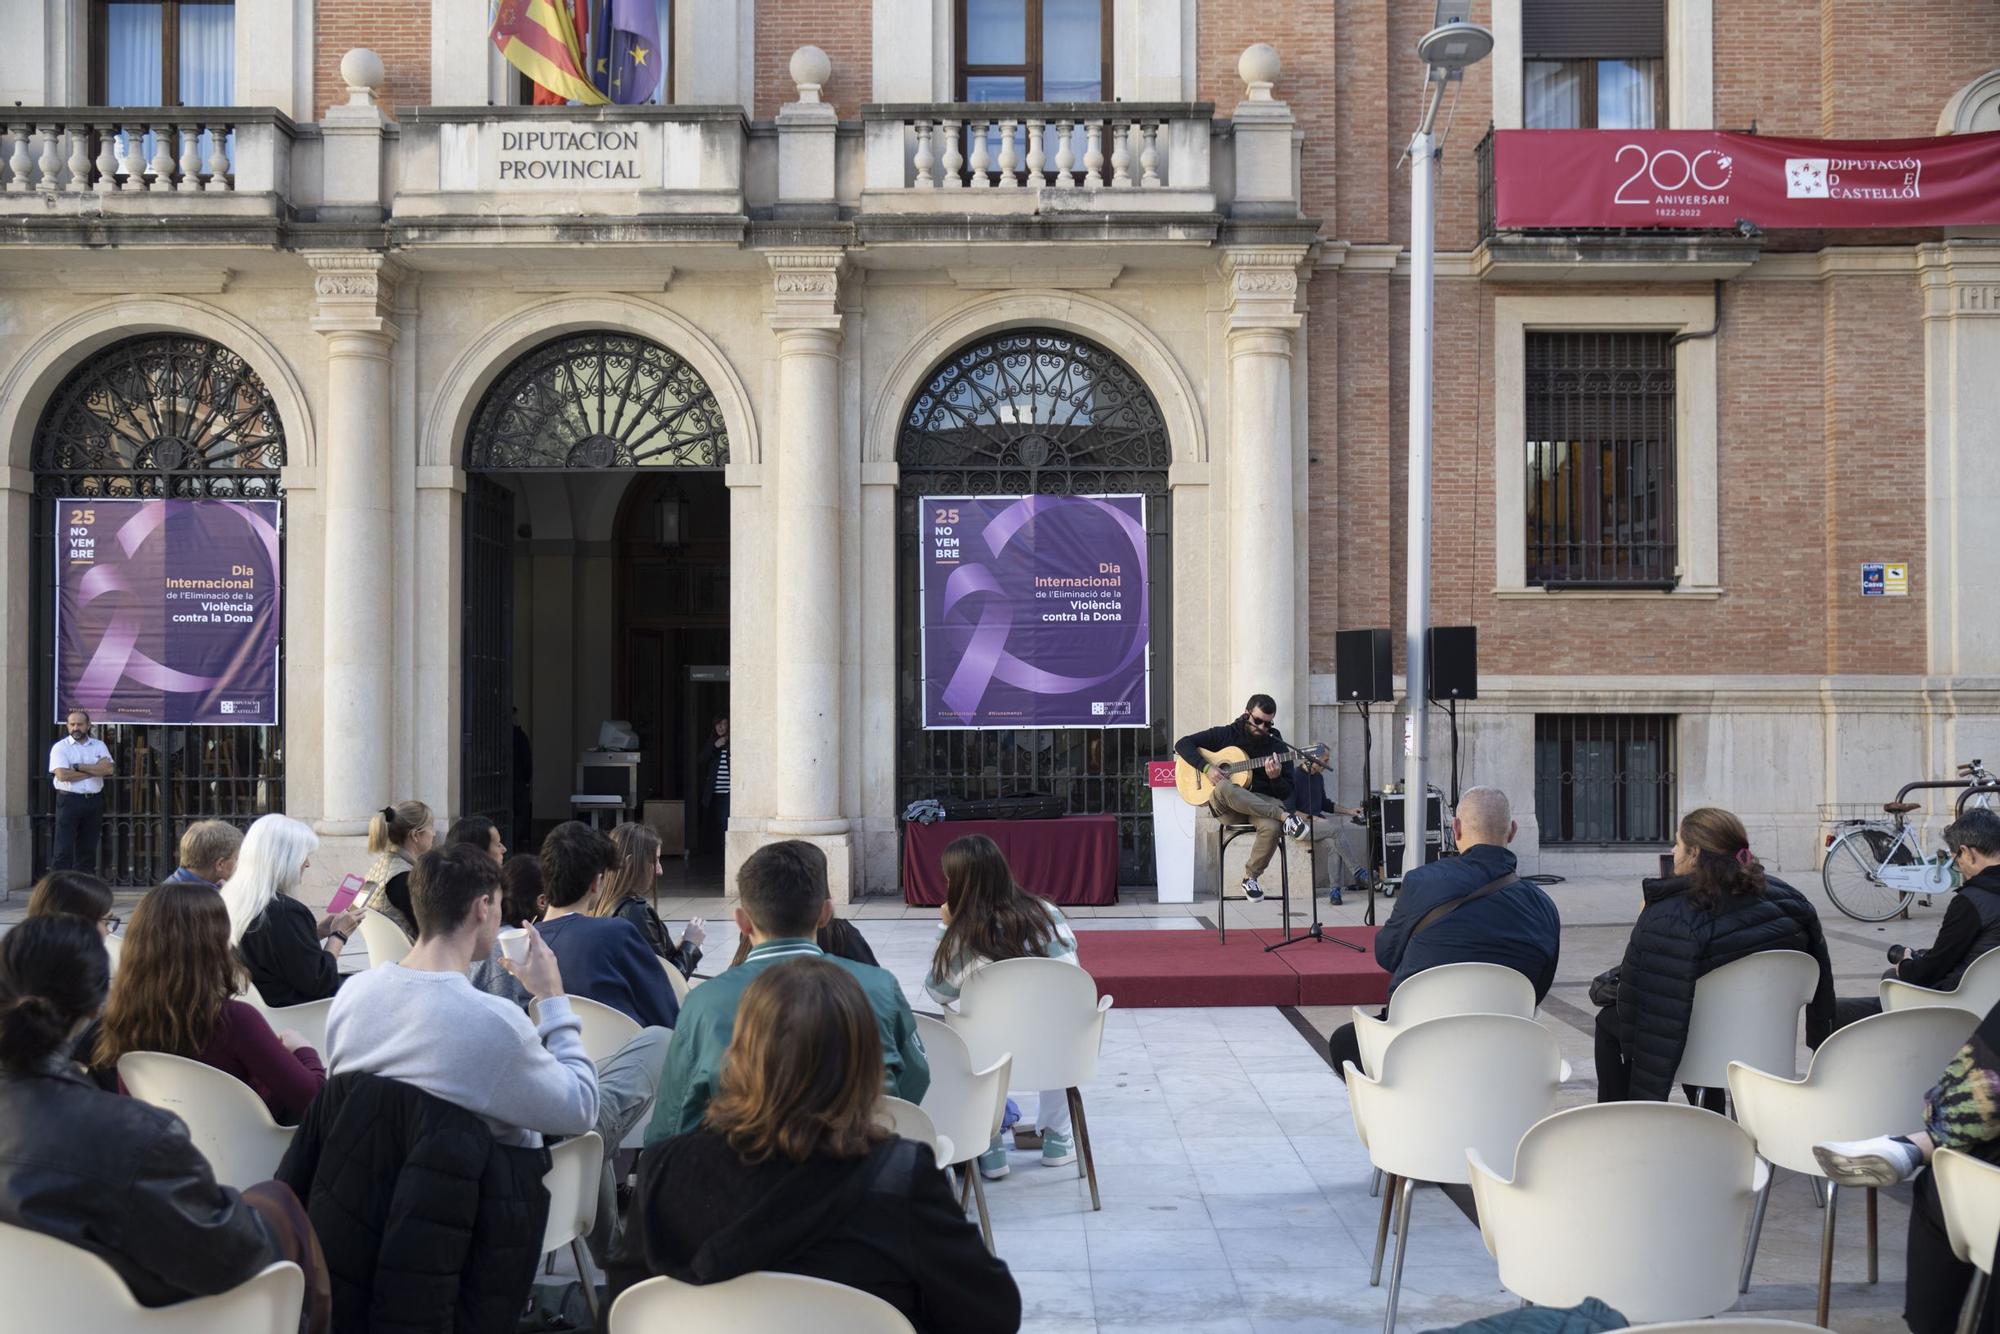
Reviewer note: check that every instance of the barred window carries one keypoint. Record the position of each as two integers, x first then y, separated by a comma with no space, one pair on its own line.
1600,457
1604,778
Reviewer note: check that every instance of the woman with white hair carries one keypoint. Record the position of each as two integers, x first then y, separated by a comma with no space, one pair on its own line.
291,953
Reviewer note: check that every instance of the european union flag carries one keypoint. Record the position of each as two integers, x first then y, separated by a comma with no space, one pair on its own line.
626,58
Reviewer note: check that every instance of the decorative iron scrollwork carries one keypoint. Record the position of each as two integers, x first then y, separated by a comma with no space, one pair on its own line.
598,400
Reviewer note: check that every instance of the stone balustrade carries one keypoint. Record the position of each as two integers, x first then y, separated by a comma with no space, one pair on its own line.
82,154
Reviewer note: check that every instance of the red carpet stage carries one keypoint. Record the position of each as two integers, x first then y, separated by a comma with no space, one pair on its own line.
1152,969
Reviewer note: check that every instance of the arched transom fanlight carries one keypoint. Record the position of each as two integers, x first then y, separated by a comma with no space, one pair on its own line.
598,400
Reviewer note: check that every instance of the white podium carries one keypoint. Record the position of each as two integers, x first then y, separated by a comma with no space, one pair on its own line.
1173,835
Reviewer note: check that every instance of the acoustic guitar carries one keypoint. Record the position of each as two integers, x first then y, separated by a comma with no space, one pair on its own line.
1196,787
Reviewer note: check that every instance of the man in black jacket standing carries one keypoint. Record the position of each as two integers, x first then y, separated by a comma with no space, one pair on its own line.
1262,804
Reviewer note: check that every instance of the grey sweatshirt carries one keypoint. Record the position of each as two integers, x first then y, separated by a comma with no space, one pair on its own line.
438,1032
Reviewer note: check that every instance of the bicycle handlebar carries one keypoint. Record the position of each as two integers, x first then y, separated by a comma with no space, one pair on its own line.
1969,768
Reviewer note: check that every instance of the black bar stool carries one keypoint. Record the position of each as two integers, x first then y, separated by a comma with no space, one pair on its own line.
1227,833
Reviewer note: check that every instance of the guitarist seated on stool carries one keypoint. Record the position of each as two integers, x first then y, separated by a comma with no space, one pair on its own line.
1262,804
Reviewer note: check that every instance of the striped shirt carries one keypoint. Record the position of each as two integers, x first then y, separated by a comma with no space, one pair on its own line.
944,990
722,771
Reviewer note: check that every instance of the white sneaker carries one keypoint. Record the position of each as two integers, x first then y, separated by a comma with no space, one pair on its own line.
1296,825
1877,1162
1252,890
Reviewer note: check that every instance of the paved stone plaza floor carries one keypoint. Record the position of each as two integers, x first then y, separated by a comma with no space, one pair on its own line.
1235,1195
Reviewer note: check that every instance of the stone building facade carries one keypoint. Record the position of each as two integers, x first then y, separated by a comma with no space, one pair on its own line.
797,244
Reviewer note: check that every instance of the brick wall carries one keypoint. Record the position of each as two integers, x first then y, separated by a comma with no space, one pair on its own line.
841,28
1303,31
399,31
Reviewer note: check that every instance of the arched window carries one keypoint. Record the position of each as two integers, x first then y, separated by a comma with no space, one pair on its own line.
597,400
167,416
1035,412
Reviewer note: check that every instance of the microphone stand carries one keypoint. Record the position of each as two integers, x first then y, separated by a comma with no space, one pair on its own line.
1315,932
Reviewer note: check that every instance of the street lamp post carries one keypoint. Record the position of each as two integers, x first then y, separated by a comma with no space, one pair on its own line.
1447,50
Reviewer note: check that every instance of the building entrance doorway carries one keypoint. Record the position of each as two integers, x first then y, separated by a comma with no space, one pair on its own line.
596,606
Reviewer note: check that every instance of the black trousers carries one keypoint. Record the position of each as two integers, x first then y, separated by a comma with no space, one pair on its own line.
1343,1046
79,818
1614,1071
1935,1282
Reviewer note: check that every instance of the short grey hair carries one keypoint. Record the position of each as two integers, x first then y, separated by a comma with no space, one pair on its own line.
1485,810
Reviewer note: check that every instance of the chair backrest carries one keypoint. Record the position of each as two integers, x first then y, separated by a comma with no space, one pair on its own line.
225,1118
1721,1325
1466,1081
966,1105
1969,1191
677,980
307,1020
1435,993
113,943
605,1030
51,1284
1978,989
572,1179
1045,1013
385,940
1748,1011
909,1121
1867,1078
752,1302
1643,1205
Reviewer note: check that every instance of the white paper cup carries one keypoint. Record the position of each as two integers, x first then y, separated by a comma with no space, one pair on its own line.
514,942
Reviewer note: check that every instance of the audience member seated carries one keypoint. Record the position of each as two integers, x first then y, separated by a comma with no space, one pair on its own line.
1718,906
520,904
1971,924
790,1171
781,903
397,835
423,1023
207,854
1962,1111
291,952
604,959
77,894
987,917
629,890
1472,908
839,937
116,1176
476,831
175,993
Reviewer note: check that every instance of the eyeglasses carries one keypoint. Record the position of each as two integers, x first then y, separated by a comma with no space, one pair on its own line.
112,922
1261,724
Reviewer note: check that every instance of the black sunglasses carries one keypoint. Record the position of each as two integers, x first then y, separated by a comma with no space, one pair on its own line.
1261,724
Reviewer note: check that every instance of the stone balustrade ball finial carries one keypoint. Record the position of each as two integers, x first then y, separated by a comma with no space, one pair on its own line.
1258,68
811,68
363,72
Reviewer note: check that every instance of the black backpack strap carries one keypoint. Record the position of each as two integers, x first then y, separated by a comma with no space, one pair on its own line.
1444,910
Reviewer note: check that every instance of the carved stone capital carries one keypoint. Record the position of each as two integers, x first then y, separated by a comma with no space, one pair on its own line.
805,288
1263,287
356,291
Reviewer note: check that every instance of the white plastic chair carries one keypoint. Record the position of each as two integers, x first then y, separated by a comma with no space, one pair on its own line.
113,943
1978,989
1640,1204
966,1106
1721,1325
307,1020
1434,993
1467,1081
385,940
753,1302
1868,1079
1046,1014
605,1030
677,980
1969,1191
225,1118
1748,1011
908,1120
51,1285
575,1167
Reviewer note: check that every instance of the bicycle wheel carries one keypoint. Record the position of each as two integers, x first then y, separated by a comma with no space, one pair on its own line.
1851,882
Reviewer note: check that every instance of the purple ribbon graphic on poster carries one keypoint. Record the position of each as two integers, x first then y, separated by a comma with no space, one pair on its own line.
167,611
1034,611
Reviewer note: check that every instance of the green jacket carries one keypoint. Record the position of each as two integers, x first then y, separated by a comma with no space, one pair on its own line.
708,1017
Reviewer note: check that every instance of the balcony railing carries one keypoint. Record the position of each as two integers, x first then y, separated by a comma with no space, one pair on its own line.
89,156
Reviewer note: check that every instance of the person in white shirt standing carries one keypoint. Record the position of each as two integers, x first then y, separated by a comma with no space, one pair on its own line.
78,763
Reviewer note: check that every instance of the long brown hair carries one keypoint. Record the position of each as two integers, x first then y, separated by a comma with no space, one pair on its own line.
175,973
992,918
638,853
803,1074
1724,866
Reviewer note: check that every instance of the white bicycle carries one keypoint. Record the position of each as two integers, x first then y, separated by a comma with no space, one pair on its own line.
1875,869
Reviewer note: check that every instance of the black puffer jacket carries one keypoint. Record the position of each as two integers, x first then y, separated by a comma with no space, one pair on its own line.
429,1227
1674,944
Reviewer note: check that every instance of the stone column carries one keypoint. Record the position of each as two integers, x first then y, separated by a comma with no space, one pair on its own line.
805,535
358,520
24,721
1961,284
1262,591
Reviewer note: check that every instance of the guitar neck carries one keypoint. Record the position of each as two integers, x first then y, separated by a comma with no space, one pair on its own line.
1244,766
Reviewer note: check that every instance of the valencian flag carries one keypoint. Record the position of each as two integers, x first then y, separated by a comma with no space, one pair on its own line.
625,57
539,38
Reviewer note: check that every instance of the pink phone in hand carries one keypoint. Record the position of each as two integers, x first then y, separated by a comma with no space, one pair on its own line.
343,898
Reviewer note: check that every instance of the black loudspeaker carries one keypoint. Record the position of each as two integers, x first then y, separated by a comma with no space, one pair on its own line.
1453,659
1361,666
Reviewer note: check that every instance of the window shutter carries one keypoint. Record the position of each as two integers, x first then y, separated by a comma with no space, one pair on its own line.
1604,29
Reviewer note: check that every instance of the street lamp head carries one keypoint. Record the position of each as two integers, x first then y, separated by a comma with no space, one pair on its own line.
1452,46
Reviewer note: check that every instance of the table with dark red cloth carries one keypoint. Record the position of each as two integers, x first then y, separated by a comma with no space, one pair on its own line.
1073,859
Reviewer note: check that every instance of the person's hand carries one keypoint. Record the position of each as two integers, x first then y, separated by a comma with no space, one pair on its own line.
292,1040
1216,776
539,972
345,923
697,931
1272,766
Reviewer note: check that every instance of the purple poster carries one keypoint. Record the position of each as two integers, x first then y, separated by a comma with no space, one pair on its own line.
1034,611
167,611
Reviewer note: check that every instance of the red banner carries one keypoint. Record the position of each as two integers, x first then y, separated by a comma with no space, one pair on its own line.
1703,179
